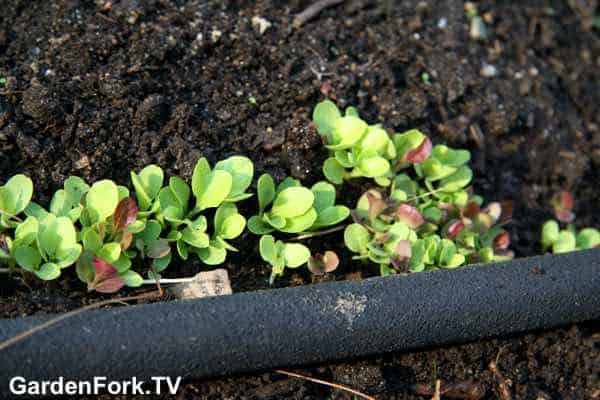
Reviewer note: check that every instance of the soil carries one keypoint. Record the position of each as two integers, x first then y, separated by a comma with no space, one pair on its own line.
98,88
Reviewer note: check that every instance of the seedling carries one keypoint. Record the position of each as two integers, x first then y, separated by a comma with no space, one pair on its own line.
566,240
15,196
295,208
281,255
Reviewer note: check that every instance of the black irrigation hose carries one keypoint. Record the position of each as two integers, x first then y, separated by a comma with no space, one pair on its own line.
295,326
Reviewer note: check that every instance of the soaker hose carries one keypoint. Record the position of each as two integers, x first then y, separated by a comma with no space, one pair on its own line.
309,324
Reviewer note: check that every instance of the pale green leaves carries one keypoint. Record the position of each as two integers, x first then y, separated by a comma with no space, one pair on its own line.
567,240
101,201
15,195
147,185
281,255
295,208
325,116
227,182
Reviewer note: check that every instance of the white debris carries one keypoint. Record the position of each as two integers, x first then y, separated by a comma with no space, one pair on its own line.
488,71
442,23
260,24
215,35
477,30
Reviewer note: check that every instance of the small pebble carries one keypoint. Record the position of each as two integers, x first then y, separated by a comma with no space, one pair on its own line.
488,71
215,35
442,23
260,24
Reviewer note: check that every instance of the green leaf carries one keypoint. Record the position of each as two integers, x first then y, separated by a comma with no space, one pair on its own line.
550,231
325,116
232,227
123,192
75,189
136,226
451,157
122,264
57,236
376,139
257,226
213,189
35,210
150,233
300,223
102,200
288,182
458,180
160,264
345,158
110,252
241,170
267,249
26,231
266,191
195,238
224,211
132,278
346,132
292,202
170,206
70,256
295,255
181,191
59,205
356,238
565,242
334,171
372,167
158,248
15,195
331,216
28,258
407,141
85,268
91,240
434,170
182,249
324,195
351,111
212,255
48,272
588,238
151,178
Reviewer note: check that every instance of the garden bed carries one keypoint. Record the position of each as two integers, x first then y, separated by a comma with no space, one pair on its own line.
97,91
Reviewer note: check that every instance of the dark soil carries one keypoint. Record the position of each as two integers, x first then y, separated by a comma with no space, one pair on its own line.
97,88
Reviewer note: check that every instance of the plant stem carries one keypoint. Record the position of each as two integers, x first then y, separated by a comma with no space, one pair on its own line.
320,233
166,281
24,335
4,270
423,195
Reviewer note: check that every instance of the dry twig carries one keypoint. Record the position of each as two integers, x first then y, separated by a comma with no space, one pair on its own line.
24,335
502,384
322,382
313,10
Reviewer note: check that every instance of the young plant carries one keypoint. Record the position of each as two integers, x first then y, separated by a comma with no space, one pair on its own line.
566,240
281,255
356,149
295,208
15,196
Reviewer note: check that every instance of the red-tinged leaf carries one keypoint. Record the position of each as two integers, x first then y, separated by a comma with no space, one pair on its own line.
409,215
320,264
501,241
565,216
125,213
454,228
126,240
103,270
420,153
402,254
109,285
471,210
376,204
158,249
566,200
331,261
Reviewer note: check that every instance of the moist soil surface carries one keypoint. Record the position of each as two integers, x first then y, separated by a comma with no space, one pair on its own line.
98,88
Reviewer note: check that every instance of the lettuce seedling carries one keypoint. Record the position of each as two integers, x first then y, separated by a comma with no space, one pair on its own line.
147,185
295,208
321,264
356,149
106,279
46,246
15,196
281,255
569,239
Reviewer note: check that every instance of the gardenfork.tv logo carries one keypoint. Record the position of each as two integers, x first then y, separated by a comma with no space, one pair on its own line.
21,386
